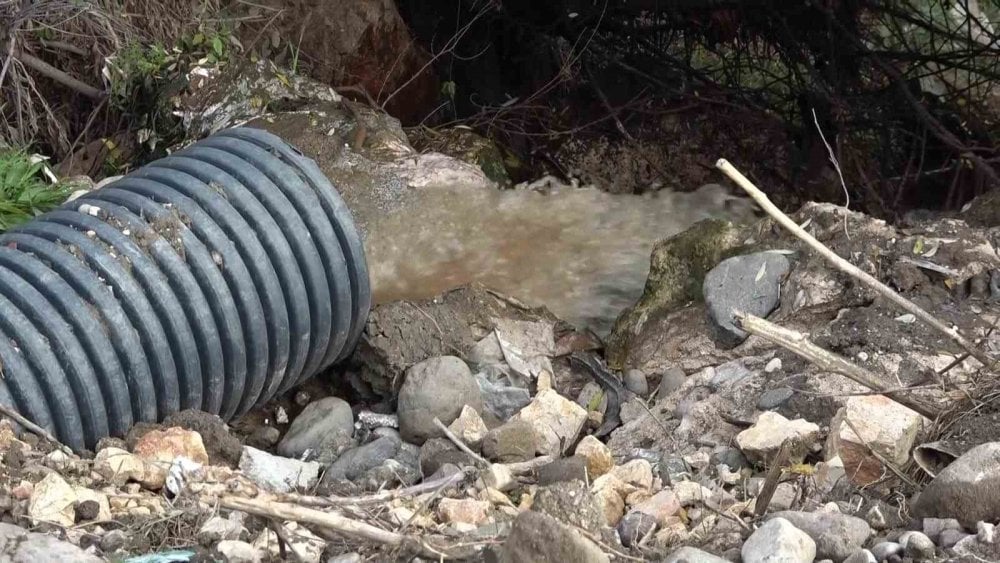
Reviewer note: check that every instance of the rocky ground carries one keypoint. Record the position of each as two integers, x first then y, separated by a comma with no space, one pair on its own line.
469,426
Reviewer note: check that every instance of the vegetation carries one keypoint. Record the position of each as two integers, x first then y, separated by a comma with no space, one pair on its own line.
25,190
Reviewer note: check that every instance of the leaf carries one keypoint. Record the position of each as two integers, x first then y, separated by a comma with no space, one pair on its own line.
217,46
198,39
918,246
761,272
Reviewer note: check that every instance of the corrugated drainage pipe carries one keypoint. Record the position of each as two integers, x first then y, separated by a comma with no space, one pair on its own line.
211,279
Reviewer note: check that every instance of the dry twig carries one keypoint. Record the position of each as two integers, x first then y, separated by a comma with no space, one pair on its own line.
459,443
848,268
33,428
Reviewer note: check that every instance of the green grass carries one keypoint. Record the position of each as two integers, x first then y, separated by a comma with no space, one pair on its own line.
24,190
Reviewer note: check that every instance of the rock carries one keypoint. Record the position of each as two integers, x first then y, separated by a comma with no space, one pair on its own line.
918,546
438,452
563,469
238,551
728,374
638,473
597,455
968,489
264,437
539,537
731,457
949,538
608,496
762,441
885,426
675,470
498,477
318,420
465,511
750,283
161,447
87,510
92,505
662,506
778,541
223,448
113,541
217,528
514,441
352,464
837,536
933,527
635,381
883,550
469,427
437,387
53,501
333,446
773,365
345,558
671,381
119,466
863,556
692,555
486,351
569,502
556,420
985,532
502,401
634,526
774,398
18,545
278,474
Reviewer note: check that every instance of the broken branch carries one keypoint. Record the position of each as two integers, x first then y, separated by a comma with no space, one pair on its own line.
848,268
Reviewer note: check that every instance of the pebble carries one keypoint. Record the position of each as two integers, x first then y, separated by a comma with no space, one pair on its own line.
689,554
773,365
837,536
113,541
634,526
318,420
635,381
597,455
774,398
354,463
729,373
571,503
875,518
762,441
750,283
563,469
918,546
502,401
217,529
469,427
557,420
514,441
539,537
883,550
671,381
675,470
464,511
949,538
278,474
863,556
438,452
985,532
778,540
264,437
933,527
436,387
238,551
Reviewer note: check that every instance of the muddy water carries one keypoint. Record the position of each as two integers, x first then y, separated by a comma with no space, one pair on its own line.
580,252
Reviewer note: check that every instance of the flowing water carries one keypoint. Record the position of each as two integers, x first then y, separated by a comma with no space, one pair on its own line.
580,252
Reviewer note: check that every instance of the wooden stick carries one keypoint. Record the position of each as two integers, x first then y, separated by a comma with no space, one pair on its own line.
848,268
33,428
385,496
328,521
773,478
797,342
459,443
59,76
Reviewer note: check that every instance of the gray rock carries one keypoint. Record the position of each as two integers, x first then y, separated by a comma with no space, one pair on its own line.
113,541
217,528
731,457
391,474
774,398
438,452
970,548
778,541
539,537
968,489
345,558
437,387
671,381
948,538
934,526
352,464
918,546
18,545
673,470
502,401
564,469
236,551
750,283
333,446
570,502
883,550
727,373
317,421
514,441
635,381
837,536
863,556
278,474
692,555
264,437
634,526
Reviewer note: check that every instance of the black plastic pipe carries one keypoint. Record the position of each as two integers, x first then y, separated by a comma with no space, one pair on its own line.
211,279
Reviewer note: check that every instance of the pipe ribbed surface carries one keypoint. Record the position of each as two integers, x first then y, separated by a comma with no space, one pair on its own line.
211,279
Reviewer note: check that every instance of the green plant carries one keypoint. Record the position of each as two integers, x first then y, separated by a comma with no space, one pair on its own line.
24,190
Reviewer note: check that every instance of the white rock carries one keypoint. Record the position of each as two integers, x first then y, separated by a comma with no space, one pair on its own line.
238,551
218,528
597,454
773,365
53,501
119,466
638,473
778,541
469,427
885,426
278,474
762,441
690,493
555,418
